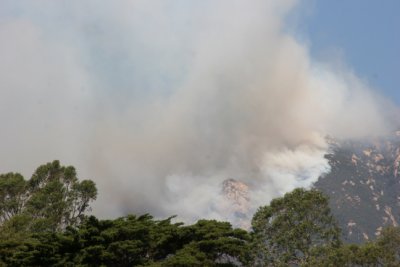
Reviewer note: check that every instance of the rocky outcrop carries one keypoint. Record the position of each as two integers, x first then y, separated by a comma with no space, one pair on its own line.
236,193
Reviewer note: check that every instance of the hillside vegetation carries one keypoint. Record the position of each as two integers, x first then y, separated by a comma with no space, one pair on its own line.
43,223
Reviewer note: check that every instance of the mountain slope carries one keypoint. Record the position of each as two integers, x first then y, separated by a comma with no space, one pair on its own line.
364,186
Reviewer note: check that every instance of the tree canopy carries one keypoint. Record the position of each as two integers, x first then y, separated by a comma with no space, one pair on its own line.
287,230
52,199
43,223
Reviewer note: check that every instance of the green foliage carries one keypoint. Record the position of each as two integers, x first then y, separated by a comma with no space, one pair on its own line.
287,231
42,224
389,243
12,195
143,241
383,252
131,241
125,241
211,243
57,197
51,200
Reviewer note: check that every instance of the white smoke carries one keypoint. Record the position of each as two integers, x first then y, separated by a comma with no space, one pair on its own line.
159,101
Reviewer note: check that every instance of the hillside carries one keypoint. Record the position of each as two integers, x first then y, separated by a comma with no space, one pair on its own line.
364,186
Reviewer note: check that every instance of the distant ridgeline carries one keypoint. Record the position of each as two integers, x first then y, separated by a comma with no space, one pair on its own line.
364,186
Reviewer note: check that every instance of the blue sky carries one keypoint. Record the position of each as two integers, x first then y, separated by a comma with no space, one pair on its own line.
365,32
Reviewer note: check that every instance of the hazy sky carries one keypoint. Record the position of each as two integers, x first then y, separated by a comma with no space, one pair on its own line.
365,32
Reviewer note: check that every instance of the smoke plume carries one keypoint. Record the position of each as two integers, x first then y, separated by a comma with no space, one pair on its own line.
160,101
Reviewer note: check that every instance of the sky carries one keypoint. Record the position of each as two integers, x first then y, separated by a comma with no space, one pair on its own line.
160,101
366,34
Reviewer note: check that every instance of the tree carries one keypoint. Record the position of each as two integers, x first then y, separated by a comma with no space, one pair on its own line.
131,241
12,195
126,241
288,230
385,251
211,243
51,200
349,255
389,243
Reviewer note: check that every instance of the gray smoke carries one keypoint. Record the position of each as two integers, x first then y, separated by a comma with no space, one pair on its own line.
159,101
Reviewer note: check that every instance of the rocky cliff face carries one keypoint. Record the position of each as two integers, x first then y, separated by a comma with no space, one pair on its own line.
236,193
364,186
